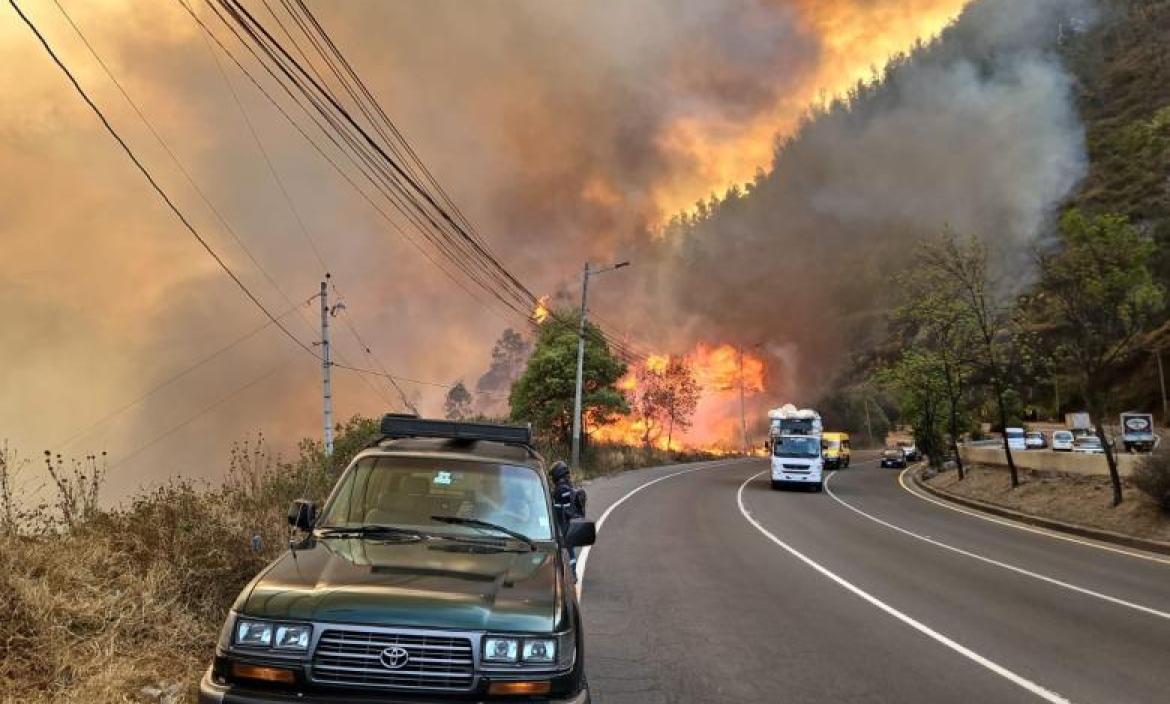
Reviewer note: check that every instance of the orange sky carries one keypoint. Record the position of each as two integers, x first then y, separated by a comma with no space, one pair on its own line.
107,295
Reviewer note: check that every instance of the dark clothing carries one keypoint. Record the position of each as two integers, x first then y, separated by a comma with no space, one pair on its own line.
568,503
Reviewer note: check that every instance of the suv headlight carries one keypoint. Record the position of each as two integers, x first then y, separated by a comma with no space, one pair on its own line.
253,634
501,649
541,650
555,650
292,637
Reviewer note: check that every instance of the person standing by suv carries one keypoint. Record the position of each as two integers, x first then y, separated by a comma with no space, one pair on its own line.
568,502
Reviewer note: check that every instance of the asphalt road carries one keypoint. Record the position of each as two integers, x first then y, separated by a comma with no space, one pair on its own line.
707,586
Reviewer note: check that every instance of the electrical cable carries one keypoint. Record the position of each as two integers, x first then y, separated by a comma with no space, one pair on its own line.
153,183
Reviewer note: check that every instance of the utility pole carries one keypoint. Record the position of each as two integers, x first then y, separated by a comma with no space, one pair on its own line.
580,371
1162,381
576,458
1056,393
868,425
742,410
326,368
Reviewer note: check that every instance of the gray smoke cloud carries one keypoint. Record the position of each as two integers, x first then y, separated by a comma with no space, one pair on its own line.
978,131
556,127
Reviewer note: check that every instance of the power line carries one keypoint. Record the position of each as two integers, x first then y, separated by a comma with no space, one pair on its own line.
199,414
153,183
301,130
311,85
167,382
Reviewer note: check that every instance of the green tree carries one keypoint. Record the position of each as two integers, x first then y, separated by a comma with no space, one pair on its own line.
958,268
1104,297
917,379
458,404
543,395
938,320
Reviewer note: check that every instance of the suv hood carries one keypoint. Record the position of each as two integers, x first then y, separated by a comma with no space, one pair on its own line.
426,583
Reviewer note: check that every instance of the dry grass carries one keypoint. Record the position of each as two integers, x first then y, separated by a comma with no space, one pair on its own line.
1074,499
98,605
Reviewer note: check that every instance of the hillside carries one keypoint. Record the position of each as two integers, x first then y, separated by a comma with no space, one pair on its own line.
1122,68
1123,82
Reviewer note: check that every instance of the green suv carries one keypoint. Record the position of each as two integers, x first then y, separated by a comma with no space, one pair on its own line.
437,570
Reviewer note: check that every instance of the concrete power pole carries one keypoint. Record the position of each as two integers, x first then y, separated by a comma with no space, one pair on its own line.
580,371
587,272
742,409
326,368
1162,382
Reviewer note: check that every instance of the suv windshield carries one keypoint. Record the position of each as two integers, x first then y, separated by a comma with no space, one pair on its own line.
406,492
786,446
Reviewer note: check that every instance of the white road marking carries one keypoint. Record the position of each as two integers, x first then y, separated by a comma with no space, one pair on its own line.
583,558
1042,692
1030,529
997,563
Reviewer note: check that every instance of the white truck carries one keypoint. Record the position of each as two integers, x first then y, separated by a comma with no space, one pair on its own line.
1137,432
794,443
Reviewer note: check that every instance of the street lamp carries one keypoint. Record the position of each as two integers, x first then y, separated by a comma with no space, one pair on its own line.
581,356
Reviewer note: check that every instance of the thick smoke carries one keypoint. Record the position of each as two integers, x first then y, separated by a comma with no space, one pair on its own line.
565,131
977,131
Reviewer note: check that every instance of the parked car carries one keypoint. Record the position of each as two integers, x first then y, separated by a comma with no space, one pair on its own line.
1035,440
1089,445
437,570
894,457
1015,438
1062,440
911,451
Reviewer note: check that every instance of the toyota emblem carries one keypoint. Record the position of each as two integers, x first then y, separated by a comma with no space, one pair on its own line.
395,658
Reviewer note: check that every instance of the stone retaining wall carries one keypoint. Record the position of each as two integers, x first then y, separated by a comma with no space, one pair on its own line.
1049,461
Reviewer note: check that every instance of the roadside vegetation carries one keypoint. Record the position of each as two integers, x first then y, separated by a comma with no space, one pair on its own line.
125,604
1078,326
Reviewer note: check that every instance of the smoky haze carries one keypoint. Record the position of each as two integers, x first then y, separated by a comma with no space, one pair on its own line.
977,131
565,131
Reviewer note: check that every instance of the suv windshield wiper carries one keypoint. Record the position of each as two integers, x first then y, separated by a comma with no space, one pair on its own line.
369,529
477,523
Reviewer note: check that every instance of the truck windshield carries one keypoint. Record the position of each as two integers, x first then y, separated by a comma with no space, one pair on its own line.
786,446
407,491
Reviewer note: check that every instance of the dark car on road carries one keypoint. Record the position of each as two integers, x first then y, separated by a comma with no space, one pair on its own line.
437,570
893,457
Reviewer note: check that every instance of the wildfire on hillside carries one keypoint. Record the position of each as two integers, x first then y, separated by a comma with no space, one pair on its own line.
719,370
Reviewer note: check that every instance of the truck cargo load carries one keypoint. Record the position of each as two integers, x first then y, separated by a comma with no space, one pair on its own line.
1137,431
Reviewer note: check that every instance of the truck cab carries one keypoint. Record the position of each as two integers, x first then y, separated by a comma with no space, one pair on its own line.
795,448
437,570
797,460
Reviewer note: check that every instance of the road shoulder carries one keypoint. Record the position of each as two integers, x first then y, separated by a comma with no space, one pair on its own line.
1064,527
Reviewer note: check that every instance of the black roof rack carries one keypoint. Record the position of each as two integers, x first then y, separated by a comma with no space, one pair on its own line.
398,425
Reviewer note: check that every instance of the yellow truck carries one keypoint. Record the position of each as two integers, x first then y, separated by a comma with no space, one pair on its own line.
835,450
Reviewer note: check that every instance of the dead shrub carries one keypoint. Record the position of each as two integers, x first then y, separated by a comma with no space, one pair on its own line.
1152,478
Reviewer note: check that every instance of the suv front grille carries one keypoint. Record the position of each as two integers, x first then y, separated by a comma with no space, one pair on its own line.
354,659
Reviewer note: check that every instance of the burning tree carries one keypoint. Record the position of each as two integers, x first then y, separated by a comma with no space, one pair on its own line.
666,396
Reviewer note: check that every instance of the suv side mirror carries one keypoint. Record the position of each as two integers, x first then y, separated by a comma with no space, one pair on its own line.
580,534
302,514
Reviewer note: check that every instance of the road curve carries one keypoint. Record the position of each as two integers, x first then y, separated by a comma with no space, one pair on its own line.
707,586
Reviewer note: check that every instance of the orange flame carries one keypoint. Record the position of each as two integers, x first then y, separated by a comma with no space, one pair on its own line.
540,312
716,426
